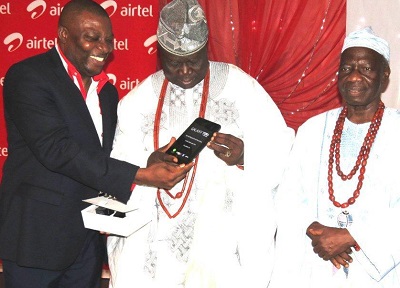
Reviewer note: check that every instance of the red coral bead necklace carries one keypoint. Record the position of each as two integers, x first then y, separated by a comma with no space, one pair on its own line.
156,134
361,162
334,152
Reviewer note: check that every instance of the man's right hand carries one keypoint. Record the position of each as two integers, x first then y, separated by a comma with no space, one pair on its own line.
333,244
162,170
342,259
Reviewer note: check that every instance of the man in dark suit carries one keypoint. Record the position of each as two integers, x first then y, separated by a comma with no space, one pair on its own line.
61,115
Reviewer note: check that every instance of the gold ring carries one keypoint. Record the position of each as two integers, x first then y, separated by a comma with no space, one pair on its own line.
228,153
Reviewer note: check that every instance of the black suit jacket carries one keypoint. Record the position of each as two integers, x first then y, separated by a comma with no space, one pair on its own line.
55,160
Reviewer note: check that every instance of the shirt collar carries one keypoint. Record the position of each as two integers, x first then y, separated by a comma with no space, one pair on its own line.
101,78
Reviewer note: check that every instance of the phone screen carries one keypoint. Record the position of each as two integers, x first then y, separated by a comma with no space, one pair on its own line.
193,140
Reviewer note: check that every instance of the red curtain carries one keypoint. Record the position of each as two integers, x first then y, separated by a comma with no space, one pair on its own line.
292,47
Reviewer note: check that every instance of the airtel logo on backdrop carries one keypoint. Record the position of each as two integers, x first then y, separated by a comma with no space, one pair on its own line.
128,11
14,41
125,84
149,42
110,3
112,77
38,7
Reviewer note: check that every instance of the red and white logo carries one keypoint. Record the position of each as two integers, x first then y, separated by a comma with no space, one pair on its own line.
14,41
37,8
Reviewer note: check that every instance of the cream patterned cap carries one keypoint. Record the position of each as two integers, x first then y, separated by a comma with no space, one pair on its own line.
367,38
182,28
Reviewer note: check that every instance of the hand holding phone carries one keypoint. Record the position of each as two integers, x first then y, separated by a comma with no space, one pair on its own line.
193,140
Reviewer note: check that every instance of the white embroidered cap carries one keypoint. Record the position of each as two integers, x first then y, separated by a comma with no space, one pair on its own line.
366,38
182,28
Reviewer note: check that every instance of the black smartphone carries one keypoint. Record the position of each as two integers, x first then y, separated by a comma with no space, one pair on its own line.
109,212
193,140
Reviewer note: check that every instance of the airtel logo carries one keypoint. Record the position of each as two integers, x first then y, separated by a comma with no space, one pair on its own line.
150,41
14,41
110,3
112,78
36,5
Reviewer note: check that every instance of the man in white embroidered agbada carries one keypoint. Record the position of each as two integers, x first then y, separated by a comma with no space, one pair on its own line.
220,232
338,205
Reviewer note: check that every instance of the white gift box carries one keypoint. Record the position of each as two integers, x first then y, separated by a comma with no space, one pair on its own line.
132,222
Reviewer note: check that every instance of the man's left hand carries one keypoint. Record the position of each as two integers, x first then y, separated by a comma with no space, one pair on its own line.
228,148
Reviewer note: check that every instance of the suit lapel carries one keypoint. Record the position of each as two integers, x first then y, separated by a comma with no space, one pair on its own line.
108,126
